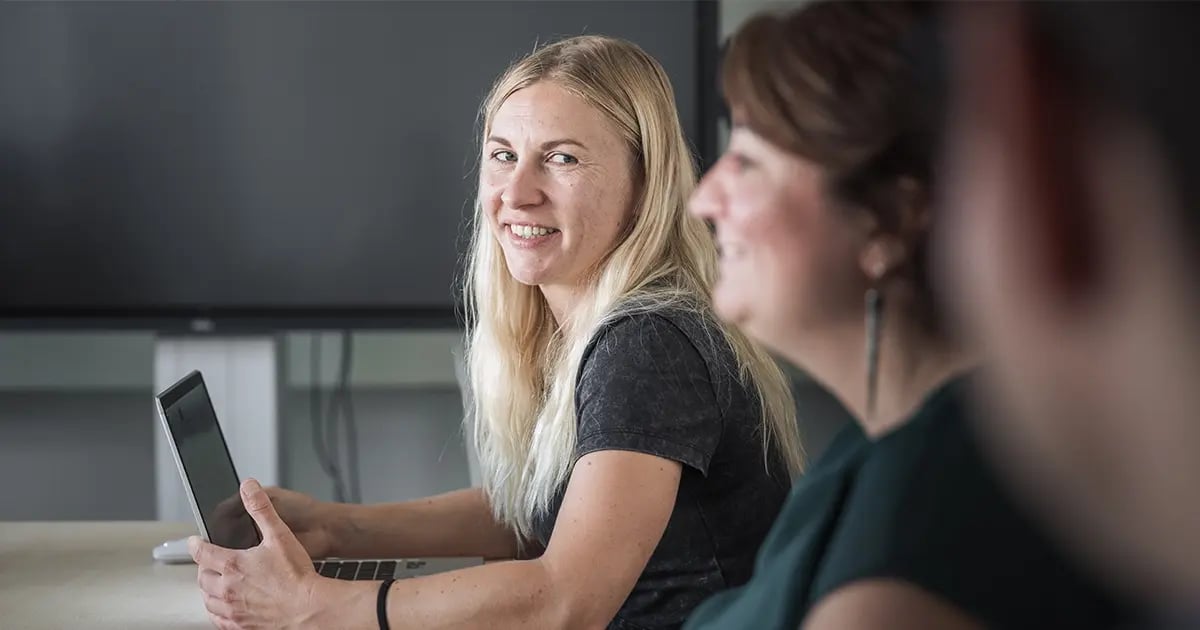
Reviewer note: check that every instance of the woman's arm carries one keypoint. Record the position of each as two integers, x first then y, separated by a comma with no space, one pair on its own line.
458,523
616,509
882,603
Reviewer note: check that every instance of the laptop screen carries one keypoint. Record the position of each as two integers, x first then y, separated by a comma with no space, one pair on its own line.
207,464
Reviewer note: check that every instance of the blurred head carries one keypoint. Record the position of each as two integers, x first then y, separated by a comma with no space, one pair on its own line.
823,190
1070,242
584,154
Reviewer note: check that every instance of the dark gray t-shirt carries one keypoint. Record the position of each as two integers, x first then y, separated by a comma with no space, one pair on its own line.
666,383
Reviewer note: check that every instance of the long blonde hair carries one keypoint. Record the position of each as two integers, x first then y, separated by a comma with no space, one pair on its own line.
522,363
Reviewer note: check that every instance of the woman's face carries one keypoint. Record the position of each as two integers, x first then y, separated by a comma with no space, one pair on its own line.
556,184
789,261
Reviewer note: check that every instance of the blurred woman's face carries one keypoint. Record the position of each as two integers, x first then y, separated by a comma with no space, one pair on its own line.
789,260
1070,272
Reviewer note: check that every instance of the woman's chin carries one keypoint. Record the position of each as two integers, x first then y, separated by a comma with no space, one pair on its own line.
730,304
528,277
731,312
741,311
526,269
528,281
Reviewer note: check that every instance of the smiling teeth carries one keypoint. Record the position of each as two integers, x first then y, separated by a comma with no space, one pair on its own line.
529,231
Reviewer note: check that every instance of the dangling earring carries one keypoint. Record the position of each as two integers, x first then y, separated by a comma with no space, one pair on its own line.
874,300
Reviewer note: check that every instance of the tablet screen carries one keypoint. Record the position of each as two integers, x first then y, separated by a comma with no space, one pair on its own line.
208,466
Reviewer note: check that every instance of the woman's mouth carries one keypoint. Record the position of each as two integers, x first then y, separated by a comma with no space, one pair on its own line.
529,235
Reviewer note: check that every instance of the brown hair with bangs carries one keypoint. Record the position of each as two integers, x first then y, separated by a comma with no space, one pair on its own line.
837,83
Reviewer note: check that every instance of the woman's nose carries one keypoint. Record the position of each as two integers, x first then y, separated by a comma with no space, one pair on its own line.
707,202
523,188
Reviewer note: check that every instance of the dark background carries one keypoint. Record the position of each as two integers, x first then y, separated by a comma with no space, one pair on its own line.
285,163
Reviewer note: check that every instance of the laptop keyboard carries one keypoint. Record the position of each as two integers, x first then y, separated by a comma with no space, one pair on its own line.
366,569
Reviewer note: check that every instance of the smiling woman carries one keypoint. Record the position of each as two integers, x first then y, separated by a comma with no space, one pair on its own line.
634,449
902,522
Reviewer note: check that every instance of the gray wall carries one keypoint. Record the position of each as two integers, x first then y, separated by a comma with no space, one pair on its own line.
734,12
76,455
410,443
77,421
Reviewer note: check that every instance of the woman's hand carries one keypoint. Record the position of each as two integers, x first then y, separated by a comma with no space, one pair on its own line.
312,521
272,585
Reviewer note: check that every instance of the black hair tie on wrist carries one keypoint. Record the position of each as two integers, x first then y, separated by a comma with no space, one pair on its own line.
381,604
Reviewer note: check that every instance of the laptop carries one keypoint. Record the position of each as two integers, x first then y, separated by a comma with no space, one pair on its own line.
212,486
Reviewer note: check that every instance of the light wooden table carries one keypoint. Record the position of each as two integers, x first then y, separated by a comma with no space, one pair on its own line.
95,575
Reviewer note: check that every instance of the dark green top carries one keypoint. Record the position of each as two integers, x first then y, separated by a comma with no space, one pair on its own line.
920,505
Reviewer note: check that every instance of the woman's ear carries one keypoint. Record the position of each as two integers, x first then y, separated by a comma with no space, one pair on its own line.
886,252
882,255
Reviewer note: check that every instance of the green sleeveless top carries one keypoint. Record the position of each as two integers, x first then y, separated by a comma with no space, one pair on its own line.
919,504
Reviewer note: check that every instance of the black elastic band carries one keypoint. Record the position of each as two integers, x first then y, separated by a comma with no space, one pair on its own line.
381,604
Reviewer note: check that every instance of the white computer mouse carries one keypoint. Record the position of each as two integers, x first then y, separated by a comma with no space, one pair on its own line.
173,552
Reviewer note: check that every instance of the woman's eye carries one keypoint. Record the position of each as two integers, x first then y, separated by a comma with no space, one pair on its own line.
741,162
563,158
504,156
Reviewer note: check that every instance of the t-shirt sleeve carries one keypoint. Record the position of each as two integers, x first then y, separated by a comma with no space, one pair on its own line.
645,387
928,510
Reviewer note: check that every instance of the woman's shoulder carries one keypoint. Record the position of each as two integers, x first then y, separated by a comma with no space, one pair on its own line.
677,332
927,508
672,345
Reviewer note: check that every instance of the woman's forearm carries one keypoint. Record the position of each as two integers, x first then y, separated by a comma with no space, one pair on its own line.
518,594
457,523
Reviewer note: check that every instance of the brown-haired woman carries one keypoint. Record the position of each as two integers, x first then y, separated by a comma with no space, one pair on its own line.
822,208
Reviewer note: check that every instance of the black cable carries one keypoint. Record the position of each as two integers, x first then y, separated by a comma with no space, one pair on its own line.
325,430
336,402
332,443
324,440
347,405
314,403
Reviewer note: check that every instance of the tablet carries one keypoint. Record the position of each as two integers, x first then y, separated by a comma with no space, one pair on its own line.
200,451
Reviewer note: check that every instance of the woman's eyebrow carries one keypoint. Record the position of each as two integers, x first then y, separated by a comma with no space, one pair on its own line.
550,144
546,146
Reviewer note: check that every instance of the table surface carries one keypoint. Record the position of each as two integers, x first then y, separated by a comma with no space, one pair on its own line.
95,575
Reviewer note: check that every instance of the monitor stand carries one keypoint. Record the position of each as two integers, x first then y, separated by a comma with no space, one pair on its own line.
242,375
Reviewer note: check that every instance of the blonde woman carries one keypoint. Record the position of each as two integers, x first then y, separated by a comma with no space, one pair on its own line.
634,450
